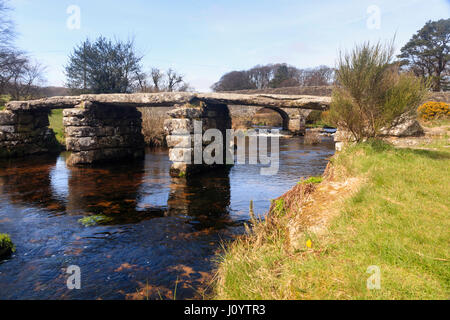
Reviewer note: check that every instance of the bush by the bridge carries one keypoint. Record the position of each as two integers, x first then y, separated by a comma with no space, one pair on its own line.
371,92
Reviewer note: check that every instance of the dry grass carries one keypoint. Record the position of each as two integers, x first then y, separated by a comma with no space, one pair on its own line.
312,137
153,126
239,123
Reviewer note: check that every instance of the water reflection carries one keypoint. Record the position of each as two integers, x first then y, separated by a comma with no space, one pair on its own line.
161,229
204,198
29,182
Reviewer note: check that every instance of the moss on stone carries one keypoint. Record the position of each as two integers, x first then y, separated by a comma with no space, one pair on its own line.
7,247
91,221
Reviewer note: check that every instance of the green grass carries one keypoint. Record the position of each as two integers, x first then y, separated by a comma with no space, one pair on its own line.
399,220
6,245
91,221
3,100
56,123
313,180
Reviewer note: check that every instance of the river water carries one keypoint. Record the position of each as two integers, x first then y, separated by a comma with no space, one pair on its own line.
162,234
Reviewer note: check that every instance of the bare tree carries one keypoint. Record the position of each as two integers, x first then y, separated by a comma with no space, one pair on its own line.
159,81
9,62
320,76
19,76
274,76
261,76
157,78
26,80
173,80
142,84
185,87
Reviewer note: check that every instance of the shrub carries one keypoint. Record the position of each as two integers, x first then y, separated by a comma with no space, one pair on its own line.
6,245
371,92
241,123
153,126
314,117
434,110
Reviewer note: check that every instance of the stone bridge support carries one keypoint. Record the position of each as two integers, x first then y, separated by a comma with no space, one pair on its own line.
297,123
107,127
294,120
100,133
25,133
182,142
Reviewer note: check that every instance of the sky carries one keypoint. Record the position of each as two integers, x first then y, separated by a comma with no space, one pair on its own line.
204,39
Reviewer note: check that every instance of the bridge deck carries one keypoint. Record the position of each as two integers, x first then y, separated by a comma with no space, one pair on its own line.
175,98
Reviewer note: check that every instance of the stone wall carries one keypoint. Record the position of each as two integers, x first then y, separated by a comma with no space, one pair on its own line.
180,134
99,133
25,133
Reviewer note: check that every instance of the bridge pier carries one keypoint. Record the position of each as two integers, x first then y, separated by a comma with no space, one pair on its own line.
297,125
25,132
294,120
185,132
102,133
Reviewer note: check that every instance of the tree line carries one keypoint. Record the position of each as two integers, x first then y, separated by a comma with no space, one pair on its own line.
114,66
20,76
100,66
107,66
426,55
274,76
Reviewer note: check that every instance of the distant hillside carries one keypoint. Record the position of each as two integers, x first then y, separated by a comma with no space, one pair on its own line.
54,91
323,91
326,92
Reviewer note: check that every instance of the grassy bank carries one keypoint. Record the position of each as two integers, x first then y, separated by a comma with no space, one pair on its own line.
3,100
56,124
397,219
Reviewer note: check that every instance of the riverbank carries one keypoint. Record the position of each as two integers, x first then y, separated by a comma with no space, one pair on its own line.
56,124
377,206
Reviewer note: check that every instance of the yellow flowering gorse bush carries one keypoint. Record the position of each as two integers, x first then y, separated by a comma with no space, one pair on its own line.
434,110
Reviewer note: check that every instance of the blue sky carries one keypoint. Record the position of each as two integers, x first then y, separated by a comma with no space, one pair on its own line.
205,39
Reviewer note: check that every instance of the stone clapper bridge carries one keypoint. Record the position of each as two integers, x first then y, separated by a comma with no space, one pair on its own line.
108,127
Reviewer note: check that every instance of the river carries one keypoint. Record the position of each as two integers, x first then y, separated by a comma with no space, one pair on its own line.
162,234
